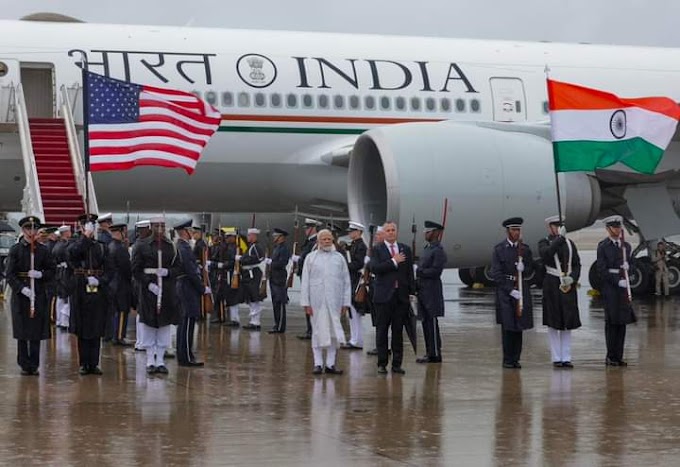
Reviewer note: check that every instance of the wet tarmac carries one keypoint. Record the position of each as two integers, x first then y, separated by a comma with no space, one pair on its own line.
256,403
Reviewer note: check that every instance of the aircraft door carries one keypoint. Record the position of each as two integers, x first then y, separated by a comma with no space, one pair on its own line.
509,102
37,80
9,76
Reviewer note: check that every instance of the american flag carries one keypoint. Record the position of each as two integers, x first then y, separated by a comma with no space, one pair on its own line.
131,125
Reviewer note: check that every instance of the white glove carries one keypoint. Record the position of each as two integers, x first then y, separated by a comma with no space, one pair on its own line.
220,265
154,289
92,281
367,259
237,258
520,266
207,291
35,274
162,272
623,284
28,293
268,261
515,294
208,263
415,269
88,228
625,266
567,280
562,231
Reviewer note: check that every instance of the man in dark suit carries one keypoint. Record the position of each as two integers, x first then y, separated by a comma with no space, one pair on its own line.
277,280
392,264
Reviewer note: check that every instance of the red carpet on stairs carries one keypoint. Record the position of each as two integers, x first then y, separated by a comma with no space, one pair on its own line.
61,201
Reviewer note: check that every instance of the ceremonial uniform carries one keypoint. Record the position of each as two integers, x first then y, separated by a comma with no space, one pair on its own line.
87,258
228,297
306,248
63,281
51,285
431,295
27,330
120,287
278,279
251,276
200,255
153,281
356,255
560,306
618,311
504,271
142,230
105,221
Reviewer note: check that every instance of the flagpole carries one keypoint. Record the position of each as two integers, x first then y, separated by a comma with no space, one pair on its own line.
557,179
86,136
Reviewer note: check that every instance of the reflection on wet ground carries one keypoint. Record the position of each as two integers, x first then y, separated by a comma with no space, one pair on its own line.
256,403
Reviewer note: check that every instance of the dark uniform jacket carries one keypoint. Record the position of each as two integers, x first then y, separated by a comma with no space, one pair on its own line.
18,264
386,274
189,283
145,257
560,310
104,236
64,275
504,273
617,308
306,249
120,287
251,275
429,280
89,310
279,274
355,262
225,254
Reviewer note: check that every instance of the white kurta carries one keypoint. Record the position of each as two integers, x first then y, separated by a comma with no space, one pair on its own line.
326,288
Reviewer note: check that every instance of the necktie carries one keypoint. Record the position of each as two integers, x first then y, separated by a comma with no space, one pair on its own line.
393,252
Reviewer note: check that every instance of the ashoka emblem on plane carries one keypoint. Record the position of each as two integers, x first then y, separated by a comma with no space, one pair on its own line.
256,70
617,124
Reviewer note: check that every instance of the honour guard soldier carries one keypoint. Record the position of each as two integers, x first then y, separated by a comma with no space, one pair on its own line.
560,304
155,267
189,290
221,265
142,231
29,265
64,277
278,278
89,306
311,230
201,255
356,255
229,297
105,221
613,264
511,263
51,285
430,291
120,287
251,275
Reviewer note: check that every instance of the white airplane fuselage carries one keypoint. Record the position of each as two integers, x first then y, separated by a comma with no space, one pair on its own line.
293,103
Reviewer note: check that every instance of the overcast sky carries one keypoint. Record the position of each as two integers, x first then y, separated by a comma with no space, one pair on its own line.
637,22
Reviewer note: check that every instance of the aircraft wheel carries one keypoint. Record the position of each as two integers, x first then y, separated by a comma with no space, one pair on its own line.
640,276
594,277
465,275
673,276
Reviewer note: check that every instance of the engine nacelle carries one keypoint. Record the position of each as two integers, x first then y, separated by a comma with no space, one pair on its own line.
397,172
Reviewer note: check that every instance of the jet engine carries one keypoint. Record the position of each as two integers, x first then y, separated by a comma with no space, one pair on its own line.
483,172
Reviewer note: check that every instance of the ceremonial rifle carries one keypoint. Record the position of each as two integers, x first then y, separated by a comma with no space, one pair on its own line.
236,276
267,268
626,277
208,300
32,301
520,278
414,231
361,293
296,233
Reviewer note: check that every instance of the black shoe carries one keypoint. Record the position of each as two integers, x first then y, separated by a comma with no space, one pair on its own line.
232,324
332,371
215,321
567,365
516,365
558,364
139,349
192,364
317,370
399,370
84,371
304,337
508,365
96,371
382,370
623,363
162,369
122,343
35,372
372,352
252,327
274,331
424,359
169,354
151,369
610,362
25,372
351,347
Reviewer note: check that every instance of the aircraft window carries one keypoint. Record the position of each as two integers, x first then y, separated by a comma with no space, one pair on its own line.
445,105
307,101
291,100
400,103
460,105
260,100
227,99
385,103
545,107
323,101
243,99
339,101
475,105
430,104
275,100
369,102
354,102
211,97
415,103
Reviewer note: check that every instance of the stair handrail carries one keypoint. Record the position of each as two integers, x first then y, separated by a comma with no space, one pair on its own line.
32,199
74,150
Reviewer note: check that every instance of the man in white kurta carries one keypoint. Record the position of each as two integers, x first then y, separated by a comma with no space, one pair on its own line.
325,295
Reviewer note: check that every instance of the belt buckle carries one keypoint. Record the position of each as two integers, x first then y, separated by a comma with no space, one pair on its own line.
91,288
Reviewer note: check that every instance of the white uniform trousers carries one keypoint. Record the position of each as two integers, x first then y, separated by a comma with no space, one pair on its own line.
233,314
63,312
560,345
156,340
355,329
255,313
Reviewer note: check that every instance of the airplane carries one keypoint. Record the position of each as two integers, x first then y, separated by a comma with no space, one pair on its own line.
356,126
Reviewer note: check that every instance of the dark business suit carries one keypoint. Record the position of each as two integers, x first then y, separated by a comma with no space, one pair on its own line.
391,289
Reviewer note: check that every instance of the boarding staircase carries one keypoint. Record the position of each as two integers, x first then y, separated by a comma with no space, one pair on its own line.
55,187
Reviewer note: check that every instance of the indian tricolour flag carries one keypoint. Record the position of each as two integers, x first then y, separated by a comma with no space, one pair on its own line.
593,129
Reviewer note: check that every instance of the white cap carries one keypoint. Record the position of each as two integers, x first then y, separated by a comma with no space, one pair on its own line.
612,220
380,228
254,231
64,228
157,220
105,217
554,219
312,222
143,224
356,226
